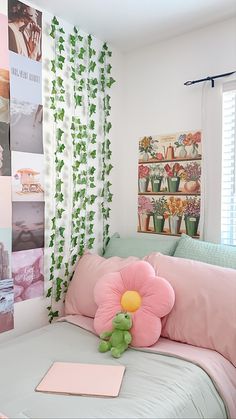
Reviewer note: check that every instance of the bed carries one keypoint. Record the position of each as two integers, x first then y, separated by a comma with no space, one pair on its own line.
190,372
154,385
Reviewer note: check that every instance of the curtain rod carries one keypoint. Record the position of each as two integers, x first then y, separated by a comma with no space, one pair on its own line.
209,78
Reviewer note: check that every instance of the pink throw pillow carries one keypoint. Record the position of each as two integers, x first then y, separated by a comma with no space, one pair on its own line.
137,290
91,267
204,313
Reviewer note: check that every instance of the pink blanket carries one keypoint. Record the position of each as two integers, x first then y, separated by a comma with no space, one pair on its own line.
219,369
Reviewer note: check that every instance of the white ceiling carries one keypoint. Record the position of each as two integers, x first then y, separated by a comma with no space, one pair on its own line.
131,24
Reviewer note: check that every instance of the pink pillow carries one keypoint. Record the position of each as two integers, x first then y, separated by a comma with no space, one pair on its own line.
137,290
79,297
205,308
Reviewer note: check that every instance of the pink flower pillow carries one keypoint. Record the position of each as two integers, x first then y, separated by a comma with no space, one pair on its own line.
137,290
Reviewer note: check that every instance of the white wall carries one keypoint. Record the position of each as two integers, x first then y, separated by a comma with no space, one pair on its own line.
32,314
157,102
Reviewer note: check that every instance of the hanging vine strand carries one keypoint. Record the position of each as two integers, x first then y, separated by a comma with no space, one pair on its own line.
58,268
106,81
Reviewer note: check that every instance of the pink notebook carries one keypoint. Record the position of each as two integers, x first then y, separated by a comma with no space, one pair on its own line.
82,379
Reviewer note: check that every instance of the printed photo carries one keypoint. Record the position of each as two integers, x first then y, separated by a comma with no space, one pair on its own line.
5,253
4,96
6,204
25,30
27,182
6,305
28,225
28,275
26,79
5,154
4,55
26,127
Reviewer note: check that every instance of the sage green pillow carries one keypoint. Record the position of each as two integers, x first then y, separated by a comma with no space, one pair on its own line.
140,246
215,254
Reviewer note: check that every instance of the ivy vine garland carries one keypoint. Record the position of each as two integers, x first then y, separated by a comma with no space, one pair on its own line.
91,77
106,81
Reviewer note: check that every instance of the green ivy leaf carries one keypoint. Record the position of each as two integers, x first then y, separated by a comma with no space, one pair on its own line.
93,154
59,261
61,231
52,33
91,124
53,66
92,109
81,53
101,58
91,242
110,82
61,40
59,184
61,30
59,213
108,127
61,48
74,259
55,21
108,169
61,113
72,40
59,134
49,292
78,100
61,59
92,170
109,67
92,66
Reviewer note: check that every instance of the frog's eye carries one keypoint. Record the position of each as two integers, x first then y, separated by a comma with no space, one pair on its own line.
126,316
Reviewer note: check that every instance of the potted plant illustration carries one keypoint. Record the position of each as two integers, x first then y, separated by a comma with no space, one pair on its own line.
143,178
145,209
174,174
192,215
146,148
180,145
192,174
176,207
192,141
156,176
159,213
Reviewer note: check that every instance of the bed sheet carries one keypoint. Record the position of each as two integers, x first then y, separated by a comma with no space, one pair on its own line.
154,385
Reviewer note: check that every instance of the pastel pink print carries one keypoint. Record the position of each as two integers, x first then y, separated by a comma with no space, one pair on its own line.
156,301
27,272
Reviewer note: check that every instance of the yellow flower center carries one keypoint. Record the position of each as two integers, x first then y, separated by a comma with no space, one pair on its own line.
131,301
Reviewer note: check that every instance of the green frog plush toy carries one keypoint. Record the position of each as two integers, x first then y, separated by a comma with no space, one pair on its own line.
119,338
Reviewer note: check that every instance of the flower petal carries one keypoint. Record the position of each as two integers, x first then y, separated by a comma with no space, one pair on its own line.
104,316
136,275
146,328
159,297
109,288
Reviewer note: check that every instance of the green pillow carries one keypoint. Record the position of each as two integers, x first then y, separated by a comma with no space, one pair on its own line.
215,254
140,246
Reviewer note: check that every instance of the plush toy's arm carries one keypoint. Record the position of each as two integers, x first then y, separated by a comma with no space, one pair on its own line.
105,335
127,337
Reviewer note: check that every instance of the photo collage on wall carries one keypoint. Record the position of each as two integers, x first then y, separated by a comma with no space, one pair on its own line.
21,159
169,184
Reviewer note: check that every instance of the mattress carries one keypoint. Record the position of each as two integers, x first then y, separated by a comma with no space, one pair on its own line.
154,385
